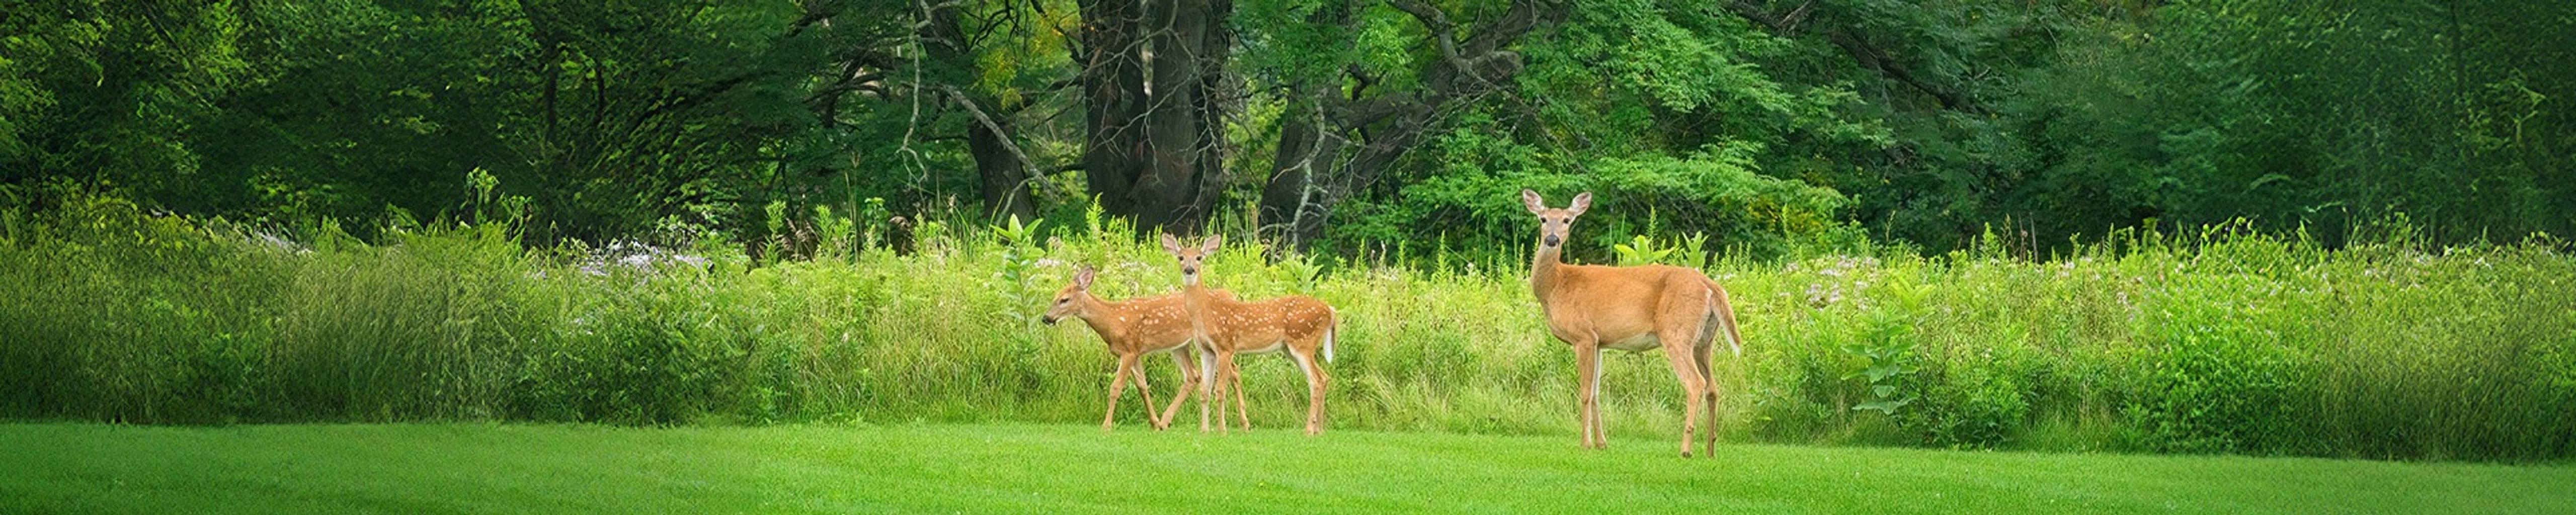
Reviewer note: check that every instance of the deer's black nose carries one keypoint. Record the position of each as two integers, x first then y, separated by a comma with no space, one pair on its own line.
1551,240
1189,270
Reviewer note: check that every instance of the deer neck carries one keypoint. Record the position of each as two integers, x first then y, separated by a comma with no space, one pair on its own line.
1544,267
1105,318
1194,299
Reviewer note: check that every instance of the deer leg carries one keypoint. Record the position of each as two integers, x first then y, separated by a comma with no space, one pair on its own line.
1117,388
1682,327
1600,426
1224,377
1705,354
1189,379
1587,365
1207,384
1146,391
1712,417
1234,381
1314,389
1694,384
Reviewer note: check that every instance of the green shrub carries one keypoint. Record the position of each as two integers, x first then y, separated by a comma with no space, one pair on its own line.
2213,383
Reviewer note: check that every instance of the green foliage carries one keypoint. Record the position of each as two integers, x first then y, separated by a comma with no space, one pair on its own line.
1302,271
397,211
1779,128
2222,341
1640,250
605,117
1713,195
1018,280
2218,383
1887,364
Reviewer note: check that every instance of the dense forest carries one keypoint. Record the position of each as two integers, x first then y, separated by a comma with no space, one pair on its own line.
1336,124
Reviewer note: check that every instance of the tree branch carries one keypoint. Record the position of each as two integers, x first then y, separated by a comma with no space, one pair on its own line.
1028,165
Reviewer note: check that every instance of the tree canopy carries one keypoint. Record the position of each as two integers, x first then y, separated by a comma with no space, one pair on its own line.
1334,124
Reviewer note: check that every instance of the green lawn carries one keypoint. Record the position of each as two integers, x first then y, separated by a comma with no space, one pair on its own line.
477,468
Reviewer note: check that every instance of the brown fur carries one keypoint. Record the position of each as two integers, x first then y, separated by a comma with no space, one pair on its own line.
1298,325
1633,309
1132,329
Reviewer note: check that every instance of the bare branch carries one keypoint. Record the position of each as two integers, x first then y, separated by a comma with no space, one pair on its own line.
1029,165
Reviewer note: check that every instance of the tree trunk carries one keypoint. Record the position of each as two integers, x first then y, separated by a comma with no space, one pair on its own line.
1166,194
1113,92
1296,201
1155,116
1218,94
1294,204
1004,171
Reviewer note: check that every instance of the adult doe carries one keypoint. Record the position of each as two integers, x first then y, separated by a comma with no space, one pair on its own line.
1630,308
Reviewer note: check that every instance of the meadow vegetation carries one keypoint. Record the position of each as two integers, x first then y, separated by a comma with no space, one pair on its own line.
2223,340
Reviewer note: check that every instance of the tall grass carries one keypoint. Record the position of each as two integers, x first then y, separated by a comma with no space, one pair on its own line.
2216,341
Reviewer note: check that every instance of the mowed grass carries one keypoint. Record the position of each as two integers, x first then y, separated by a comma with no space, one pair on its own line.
481,468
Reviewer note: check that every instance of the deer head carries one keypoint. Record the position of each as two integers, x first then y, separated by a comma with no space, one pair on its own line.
1554,223
1191,258
1068,302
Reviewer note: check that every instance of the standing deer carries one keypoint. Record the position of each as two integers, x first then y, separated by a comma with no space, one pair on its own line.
1296,324
1630,308
1133,328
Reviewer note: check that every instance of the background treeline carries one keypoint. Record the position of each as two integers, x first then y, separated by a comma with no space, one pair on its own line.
2239,226
1349,125
2213,341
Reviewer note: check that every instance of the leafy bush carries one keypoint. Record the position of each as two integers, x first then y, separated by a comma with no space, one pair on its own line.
2213,382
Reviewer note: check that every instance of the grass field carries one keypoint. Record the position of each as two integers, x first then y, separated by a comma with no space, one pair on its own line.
477,468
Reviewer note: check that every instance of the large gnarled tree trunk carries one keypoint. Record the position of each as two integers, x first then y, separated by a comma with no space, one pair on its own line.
1152,73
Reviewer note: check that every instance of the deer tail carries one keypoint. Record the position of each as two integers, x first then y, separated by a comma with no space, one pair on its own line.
1332,324
1724,312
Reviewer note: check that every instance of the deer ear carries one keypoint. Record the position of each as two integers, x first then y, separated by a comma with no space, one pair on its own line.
1530,200
1171,245
1582,202
1209,245
1082,278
